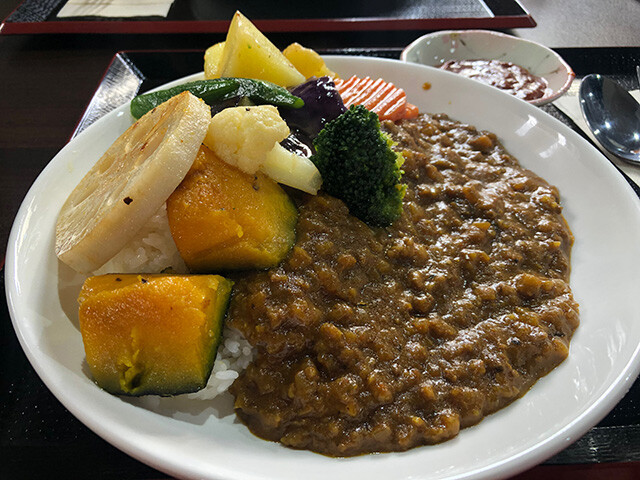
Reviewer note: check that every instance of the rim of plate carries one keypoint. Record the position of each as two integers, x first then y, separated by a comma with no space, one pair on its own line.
596,410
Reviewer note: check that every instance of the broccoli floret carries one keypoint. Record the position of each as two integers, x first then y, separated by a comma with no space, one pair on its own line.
358,166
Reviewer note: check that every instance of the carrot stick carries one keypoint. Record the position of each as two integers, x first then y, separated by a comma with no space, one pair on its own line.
383,98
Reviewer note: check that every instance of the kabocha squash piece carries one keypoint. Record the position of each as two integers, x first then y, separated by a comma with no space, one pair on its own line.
248,53
152,334
224,219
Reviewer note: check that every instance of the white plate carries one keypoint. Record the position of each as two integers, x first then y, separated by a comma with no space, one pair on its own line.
436,48
187,438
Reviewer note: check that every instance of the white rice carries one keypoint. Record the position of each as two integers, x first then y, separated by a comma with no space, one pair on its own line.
153,250
234,355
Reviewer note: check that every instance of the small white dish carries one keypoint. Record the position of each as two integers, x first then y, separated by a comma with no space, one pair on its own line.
436,48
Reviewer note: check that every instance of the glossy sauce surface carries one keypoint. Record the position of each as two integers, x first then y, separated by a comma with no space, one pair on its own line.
514,79
374,340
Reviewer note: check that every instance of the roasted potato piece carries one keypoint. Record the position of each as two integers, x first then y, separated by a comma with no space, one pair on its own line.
212,57
307,61
248,53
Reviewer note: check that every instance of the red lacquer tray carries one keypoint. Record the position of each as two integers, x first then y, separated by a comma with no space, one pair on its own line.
210,16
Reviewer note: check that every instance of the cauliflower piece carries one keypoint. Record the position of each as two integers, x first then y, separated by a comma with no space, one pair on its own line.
249,139
291,169
242,136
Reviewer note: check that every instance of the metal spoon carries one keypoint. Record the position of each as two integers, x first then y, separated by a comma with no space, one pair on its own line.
613,116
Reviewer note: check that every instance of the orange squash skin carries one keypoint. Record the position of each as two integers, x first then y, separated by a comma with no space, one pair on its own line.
223,219
152,334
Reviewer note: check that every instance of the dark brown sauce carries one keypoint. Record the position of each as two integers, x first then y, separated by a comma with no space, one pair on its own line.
374,340
514,79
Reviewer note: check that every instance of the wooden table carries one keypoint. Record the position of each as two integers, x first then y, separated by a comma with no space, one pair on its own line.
46,82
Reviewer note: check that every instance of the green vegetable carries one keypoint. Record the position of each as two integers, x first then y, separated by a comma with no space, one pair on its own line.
218,90
262,92
358,166
211,92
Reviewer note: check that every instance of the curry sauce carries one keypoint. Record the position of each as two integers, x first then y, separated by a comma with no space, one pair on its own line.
373,340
